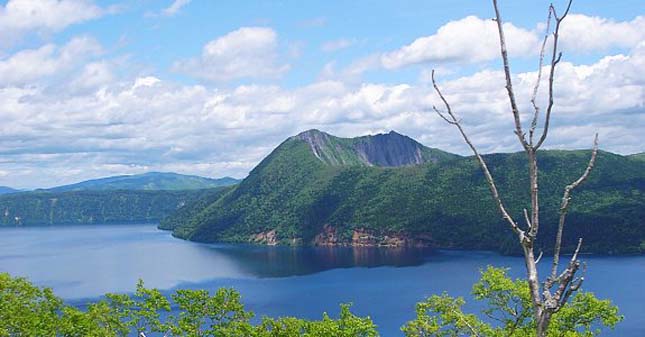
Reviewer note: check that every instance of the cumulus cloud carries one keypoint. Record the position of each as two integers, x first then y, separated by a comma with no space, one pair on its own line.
249,52
31,66
67,116
148,123
581,33
470,39
475,40
18,17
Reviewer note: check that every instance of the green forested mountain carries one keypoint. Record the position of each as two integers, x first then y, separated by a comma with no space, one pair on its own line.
88,207
151,181
312,192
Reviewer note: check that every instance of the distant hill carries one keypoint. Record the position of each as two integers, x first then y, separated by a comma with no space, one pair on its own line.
7,190
638,156
152,181
317,189
95,207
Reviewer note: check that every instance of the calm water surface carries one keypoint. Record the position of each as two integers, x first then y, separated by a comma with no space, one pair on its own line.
83,262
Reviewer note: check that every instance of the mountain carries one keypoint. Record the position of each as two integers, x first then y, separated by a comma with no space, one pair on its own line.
7,190
151,181
317,189
384,150
95,207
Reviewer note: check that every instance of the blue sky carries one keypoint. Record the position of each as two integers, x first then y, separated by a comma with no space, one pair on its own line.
139,30
90,89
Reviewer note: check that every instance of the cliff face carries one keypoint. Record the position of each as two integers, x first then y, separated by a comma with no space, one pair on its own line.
383,150
329,237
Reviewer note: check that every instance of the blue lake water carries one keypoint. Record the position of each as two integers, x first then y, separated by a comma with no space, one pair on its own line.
82,262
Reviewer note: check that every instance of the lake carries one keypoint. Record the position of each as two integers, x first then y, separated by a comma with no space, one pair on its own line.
82,262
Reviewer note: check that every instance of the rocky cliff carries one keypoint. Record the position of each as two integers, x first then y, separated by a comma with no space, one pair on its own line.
384,150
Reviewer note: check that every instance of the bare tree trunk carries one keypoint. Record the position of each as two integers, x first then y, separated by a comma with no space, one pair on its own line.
545,299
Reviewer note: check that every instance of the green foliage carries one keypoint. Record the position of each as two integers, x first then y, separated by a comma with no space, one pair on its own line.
94,207
26,310
190,209
296,194
509,312
29,311
347,325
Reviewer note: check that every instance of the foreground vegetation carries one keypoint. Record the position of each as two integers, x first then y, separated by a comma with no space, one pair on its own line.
27,310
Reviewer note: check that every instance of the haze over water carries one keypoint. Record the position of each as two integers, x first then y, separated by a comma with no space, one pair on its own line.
83,262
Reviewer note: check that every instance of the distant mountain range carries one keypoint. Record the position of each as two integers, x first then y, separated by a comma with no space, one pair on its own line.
145,197
152,181
7,190
389,190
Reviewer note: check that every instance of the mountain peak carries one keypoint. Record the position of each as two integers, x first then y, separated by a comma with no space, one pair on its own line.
391,149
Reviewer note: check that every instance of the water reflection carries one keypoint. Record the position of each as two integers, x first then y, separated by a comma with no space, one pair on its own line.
262,261
86,261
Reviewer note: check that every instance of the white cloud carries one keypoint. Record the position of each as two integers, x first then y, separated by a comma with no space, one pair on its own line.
63,107
335,45
475,40
34,65
175,7
467,40
581,33
18,17
249,52
147,123
93,75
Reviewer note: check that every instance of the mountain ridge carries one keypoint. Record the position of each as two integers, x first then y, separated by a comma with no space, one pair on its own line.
149,181
384,150
7,190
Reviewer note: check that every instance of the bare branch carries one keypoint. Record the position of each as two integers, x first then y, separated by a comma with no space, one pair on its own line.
564,206
555,59
539,258
536,109
489,178
443,116
509,82
526,218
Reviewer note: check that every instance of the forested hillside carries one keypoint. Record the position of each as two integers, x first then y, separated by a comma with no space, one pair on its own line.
295,196
92,207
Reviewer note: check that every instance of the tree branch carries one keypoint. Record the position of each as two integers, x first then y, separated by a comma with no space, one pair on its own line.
451,119
564,207
536,109
509,83
555,59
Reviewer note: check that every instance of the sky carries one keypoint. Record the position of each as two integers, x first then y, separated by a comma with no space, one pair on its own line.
97,88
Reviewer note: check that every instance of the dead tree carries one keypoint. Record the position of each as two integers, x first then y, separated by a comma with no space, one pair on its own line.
549,296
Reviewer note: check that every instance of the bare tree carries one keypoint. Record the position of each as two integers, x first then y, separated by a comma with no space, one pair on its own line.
549,296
